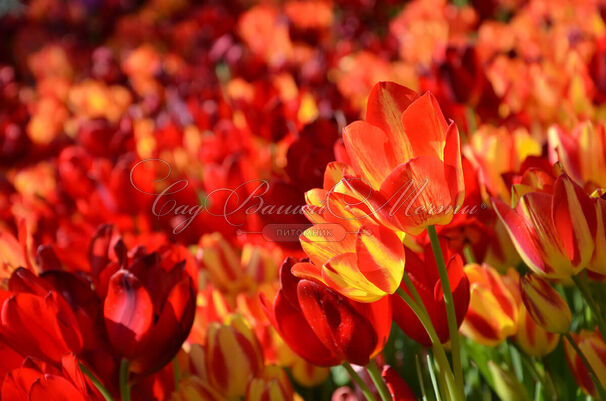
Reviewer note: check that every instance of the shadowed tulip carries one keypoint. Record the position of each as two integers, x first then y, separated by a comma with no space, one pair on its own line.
149,310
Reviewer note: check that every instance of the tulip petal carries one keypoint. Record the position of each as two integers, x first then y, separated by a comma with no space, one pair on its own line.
425,127
343,275
522,236
128,312
339,326
370,151
386,103
574,218
380,256
165,338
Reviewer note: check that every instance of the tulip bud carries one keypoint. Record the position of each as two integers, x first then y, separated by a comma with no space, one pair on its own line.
492,315
545,305
273,384
594,349
233,356
532,338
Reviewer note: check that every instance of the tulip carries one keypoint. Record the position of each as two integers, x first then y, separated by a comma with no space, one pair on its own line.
36,380
40,326
272,384
532,338
552,233
592,346
581,152
324,327
497,151
493,310
148,311
546,306
349,251
408,158
424,275
232,356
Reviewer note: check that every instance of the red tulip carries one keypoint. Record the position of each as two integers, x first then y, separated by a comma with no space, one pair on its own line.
324,327
149,310
36,380
423,273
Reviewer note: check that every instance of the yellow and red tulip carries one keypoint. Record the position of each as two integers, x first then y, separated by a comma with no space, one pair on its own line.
592,346
553,233
271,385
546,306
492,315
232,357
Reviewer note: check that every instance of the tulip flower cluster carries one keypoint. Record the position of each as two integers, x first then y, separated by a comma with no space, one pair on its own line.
302,200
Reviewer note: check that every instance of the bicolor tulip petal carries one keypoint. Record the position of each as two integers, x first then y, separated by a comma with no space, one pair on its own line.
546,306
532,338
271,385
493,309
365,267
233,357
593,347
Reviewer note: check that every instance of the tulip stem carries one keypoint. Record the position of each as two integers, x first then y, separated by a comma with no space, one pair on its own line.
358,380
98,385
375,375
450,309
124,385
419,309
580,281
594,376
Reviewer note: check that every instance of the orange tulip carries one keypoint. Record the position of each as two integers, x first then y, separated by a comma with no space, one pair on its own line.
408,159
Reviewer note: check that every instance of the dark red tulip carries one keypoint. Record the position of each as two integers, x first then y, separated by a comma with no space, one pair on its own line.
148,311
423,273
324,327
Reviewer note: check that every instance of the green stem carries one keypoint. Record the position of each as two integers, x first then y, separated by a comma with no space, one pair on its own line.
375,375
594,376
581,283
432,376
176,373
358,380
124,386
419,309
98,385
450,309
420,378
